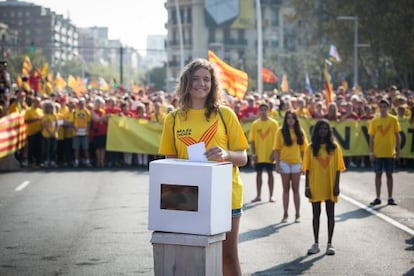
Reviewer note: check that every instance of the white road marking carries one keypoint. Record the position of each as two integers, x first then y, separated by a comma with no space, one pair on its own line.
22,186
378,214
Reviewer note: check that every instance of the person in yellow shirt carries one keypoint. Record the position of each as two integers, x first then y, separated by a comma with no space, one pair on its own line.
322,163
288,148
49,134
384,145
201,118
68,132
33,118
262,137
81,122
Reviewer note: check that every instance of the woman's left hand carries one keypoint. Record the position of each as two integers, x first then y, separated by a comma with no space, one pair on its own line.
216,154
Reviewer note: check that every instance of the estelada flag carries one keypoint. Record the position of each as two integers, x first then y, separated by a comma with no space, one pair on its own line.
26,67
233,80
284,86
327,85
268,76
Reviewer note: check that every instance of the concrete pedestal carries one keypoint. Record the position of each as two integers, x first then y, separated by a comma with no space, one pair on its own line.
187,254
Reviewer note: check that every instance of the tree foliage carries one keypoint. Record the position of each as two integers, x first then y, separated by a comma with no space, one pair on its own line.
385,25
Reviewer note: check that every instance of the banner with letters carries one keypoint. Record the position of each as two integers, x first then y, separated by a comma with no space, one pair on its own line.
140,136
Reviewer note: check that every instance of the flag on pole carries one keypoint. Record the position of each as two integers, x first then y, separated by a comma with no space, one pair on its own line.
268,76
285,85
27,66
233,80
333,54
308,84
43,69
327,85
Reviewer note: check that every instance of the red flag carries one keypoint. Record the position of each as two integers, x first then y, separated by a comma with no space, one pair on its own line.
268,76
233,80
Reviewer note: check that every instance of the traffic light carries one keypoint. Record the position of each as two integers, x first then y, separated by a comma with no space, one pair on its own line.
32,48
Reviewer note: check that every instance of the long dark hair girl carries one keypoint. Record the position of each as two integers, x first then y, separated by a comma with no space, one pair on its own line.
317,141
296,127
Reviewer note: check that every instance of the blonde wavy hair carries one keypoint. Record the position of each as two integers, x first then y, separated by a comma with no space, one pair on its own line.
214,98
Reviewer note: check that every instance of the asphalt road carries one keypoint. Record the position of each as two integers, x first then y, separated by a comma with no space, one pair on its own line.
80,222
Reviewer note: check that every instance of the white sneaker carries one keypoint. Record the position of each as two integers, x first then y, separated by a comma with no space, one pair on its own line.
330,250
314,249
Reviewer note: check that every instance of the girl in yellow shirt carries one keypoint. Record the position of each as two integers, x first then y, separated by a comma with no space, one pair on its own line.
322,163
288,150
200,118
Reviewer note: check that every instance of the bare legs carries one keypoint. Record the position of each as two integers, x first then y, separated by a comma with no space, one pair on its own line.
291,180
259,184
390,184
330,213
231,263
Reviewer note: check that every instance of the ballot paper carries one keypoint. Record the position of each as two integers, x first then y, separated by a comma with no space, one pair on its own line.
196,152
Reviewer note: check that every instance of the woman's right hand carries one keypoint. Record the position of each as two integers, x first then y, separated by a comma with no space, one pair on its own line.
308,192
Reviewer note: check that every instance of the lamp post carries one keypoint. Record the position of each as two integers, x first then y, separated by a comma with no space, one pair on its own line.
259,47
355,19
84,65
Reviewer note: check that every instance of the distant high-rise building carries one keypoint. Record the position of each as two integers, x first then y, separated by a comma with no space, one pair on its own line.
40,29
156,54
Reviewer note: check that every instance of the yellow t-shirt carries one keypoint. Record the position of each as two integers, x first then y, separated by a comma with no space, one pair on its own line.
81,119
61,130
69,130
290,154
322,172
262,134
35,126
195,128
383,130
50,122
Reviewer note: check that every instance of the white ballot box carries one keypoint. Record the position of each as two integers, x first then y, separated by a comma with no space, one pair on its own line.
190,197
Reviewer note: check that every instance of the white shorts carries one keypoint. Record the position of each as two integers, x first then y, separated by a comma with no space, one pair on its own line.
290,168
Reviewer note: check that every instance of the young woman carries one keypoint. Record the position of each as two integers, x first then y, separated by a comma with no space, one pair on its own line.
289,145
200,117
322,163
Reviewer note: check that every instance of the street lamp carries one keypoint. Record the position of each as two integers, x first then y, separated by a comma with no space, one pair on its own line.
259,47
84,65
355,19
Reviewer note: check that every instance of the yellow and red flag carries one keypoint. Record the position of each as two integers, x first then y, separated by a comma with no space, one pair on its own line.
27,66
284,86
327,85
268,76
43,69
60,83
233,80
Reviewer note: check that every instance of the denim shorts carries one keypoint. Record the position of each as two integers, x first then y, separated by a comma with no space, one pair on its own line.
384,164
290,168
236,213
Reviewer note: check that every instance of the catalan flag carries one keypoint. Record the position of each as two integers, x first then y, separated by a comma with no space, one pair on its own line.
27,66
233,80
327,85
285,85
268,76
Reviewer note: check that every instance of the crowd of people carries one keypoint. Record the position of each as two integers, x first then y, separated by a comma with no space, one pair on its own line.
70,130
67,129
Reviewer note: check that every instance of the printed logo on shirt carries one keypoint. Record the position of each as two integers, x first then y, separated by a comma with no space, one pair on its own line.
185,135
384,131
324,161
263,134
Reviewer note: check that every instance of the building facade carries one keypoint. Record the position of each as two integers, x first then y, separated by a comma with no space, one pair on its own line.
228,29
